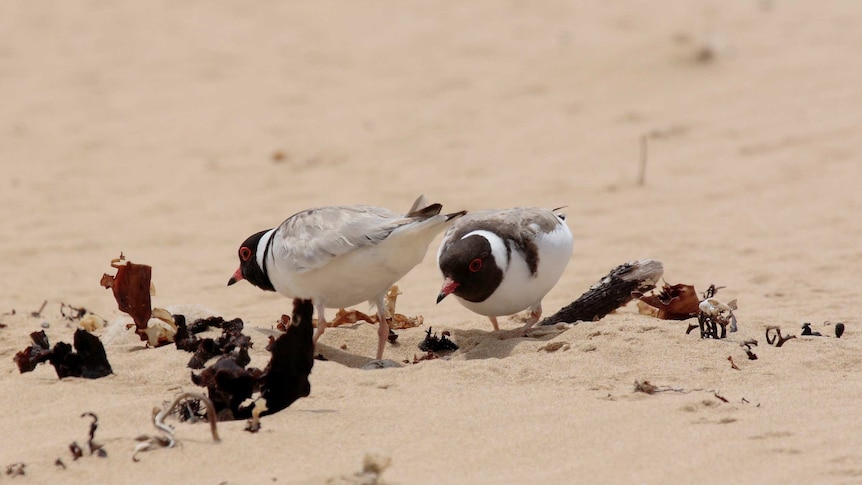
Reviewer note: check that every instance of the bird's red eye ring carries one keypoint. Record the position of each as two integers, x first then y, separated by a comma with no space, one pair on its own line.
475,265
244,253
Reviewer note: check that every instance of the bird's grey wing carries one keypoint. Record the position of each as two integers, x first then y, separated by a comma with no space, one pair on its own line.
516,223
519,225
312,238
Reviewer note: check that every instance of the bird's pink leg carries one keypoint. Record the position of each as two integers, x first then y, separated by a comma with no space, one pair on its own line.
494,323
321,322
535,315
382,327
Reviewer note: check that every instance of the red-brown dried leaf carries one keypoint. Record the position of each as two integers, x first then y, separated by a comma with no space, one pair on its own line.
674,302
131,287
35,354
349,317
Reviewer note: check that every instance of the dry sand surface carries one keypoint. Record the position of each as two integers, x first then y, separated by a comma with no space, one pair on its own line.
172,130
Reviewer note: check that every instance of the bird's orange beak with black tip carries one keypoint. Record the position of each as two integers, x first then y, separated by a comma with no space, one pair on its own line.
236,277
449,286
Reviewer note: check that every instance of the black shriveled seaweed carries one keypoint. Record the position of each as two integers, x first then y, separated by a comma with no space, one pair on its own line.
432,343
282,382
231,343
88,360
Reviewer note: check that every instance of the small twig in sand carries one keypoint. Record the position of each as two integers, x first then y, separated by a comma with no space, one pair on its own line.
168,440
732,363
38,313
778,340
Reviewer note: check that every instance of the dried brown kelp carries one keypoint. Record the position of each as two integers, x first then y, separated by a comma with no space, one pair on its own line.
283,381
89,359
232,342
673,302
396,321
35,354
95,448
285,378
132,289
777,339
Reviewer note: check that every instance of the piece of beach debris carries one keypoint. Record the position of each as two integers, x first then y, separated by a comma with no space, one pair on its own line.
75,450
433,343
253,424
189,410
732,363
680,302
645,387
37,313
715,314
35,354
133,290
554,346
397,321
778,340
374,463
92,322
746,346
89,359
72,313
616,289
95,448
673,302
232,342
16,469
283,381
58,462
424,357
167,439
86,320
284,322
806,330
839,329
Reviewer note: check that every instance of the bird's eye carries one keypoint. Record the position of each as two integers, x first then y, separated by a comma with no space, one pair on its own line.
244,253
475,265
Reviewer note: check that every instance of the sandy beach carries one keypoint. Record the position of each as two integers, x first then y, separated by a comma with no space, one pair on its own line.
172,131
